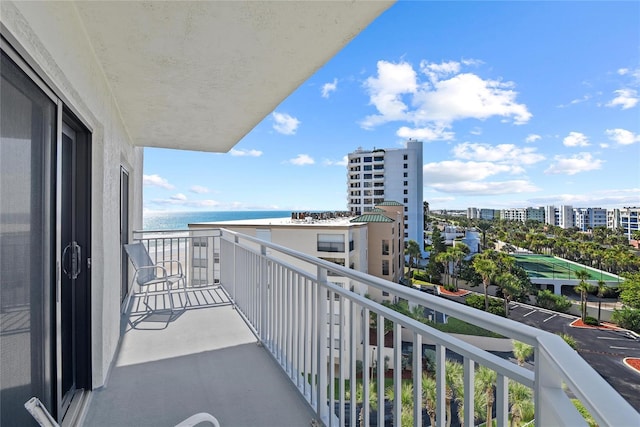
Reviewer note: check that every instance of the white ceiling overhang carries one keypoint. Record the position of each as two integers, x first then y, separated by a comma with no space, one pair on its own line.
200,75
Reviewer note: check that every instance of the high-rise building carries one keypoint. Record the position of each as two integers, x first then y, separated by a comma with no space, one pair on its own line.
388,174
566,216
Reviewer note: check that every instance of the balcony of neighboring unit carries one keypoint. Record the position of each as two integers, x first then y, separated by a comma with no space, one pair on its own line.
249,345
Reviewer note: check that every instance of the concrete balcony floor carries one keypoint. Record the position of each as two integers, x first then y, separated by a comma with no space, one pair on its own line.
200,359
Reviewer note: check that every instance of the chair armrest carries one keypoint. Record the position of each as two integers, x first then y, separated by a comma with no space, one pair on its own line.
154,267
171,261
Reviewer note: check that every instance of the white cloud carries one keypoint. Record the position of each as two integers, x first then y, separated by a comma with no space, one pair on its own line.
585,98
343,162
532,138
623,71
179,196
476,131
613,198
488,188
436,100
199,189
626,98
284,123
468,96
508,153
301,160
449,171
622,136
385,90
436,71
157,181
576,139
425,133
327,88
242,152
582,162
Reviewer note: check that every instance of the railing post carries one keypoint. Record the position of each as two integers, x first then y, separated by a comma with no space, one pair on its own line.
321,337
263,292
469,375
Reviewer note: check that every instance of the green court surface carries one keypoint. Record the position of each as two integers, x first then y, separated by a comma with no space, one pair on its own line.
545,266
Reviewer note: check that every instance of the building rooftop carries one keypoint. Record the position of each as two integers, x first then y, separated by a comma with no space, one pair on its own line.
372,218
390,203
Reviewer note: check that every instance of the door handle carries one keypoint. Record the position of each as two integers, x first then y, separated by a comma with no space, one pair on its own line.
76,260
64,260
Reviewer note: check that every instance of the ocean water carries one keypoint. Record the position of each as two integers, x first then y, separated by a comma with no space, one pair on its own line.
179,220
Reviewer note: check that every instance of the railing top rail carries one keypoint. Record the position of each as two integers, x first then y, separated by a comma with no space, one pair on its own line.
506,327
200,230
609,409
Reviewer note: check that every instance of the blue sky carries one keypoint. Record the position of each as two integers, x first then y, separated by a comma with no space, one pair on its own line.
518,104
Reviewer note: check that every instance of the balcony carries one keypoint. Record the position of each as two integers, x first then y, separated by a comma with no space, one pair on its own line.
250,347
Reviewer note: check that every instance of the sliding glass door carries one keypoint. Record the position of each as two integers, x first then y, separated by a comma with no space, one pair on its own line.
28,128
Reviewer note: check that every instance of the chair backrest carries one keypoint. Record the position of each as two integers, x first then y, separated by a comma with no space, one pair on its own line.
139,257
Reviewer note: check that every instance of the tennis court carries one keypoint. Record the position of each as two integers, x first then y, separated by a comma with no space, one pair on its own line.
549,267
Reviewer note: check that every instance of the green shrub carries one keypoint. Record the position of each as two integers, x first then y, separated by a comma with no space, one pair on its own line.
450,288
591,321
628,318
496,306
420,275
550,301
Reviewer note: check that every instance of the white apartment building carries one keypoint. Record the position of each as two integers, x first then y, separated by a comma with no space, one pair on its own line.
551,215
629,217
374,176
565,216
613,218
371,243
589,218
523,214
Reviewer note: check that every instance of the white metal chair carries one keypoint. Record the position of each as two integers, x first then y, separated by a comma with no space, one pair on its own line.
44,418
149,273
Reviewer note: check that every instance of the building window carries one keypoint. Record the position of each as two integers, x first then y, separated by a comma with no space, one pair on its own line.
367,167
367,159
406,191
406,217
406,226
385,267
367,176
337,261
405,183
405,157
406,166
406,174
385,247
378,167
406,235
406,200
406,209
331,243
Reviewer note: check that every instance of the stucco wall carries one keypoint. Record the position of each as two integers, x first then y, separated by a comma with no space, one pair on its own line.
51,38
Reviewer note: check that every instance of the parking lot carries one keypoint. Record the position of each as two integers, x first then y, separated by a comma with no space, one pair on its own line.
603,349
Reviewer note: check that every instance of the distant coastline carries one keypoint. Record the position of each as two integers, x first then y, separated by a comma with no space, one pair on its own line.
180,220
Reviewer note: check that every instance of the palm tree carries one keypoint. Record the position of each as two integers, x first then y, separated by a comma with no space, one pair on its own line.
454,377
373,399
445,258
571,342
484,226
458,252
521,401
486,268
406,402
485,380
429,397
583,289
521,351
510,286
602,286
414,252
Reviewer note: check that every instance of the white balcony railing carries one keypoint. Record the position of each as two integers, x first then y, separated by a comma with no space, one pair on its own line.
289,300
